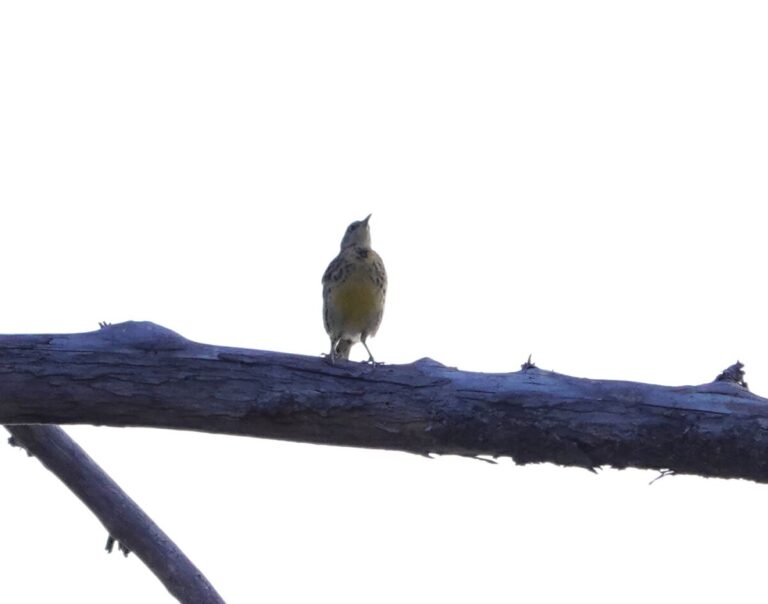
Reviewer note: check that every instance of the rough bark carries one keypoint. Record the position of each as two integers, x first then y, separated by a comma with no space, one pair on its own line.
123,519
140,374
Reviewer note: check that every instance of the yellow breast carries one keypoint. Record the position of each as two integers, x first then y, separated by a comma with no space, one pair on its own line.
355,303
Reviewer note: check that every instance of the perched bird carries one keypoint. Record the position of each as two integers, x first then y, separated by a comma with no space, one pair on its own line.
354,288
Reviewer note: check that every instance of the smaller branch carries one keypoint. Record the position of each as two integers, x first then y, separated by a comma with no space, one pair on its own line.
662,474
734,374
528,364
120,546
125,521
489,460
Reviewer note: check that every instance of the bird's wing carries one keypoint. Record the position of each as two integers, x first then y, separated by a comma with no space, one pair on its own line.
379,272
333,272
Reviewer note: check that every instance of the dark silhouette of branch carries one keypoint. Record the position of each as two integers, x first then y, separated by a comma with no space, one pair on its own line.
141,374
124,520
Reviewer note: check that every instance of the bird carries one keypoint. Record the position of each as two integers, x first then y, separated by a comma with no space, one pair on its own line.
354,290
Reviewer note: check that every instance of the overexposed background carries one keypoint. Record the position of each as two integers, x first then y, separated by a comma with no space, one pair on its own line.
580,181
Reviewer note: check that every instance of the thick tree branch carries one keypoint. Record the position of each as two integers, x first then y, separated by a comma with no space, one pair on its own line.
140,374
123,519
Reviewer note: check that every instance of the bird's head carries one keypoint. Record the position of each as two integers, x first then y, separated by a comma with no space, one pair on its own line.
358,234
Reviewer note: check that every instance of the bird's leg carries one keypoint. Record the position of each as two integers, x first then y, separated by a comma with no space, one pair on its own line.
370,356
331,356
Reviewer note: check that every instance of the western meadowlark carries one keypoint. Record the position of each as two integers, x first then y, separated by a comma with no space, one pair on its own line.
354,288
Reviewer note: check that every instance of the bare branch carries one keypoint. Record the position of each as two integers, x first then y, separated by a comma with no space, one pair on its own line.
140,374
123,519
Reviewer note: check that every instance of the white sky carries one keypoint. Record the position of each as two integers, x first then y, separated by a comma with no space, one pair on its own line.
583,181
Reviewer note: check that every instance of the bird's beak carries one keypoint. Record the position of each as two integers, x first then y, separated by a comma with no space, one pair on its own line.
367,218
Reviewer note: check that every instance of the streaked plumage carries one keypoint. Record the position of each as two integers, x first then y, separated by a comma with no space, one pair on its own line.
354,290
